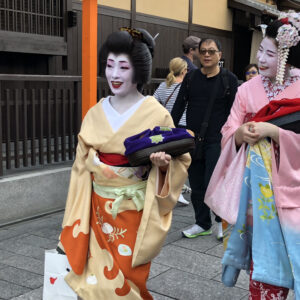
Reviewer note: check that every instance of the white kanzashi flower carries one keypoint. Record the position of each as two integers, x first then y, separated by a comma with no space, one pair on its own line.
287,37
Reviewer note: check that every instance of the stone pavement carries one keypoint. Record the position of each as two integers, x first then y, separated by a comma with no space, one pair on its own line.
185,269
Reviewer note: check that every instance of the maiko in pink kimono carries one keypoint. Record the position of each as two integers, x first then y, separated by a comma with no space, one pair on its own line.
275,200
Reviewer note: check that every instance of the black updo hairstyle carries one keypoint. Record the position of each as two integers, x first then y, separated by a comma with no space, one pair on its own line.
294,53
139,49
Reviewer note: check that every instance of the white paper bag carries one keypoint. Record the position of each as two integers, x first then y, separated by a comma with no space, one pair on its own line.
56,268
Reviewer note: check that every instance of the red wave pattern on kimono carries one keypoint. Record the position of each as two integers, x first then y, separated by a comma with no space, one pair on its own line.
76,248
127,220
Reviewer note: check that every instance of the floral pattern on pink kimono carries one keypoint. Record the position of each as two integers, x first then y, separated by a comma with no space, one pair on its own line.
250,98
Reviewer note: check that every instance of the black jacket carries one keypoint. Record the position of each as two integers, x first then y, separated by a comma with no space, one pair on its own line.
195,93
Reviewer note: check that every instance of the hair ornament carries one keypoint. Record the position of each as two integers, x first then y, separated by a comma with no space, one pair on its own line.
135,34
287,37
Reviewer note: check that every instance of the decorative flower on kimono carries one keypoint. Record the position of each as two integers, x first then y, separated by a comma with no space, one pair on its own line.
266,190
124,250
107,228
164,128
156,138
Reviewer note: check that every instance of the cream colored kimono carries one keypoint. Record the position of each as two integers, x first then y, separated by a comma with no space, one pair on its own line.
77,238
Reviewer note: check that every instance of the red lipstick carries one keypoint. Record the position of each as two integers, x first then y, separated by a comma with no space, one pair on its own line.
116,84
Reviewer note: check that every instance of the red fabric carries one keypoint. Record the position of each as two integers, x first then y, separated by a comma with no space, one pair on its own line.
113,159
277,108
263,291
284,21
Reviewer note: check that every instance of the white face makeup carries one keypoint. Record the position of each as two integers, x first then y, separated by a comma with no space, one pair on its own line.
119,74
267,58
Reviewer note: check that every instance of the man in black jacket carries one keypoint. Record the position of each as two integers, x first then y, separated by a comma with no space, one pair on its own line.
199,87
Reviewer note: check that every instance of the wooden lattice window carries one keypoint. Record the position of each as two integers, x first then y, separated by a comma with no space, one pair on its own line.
32,16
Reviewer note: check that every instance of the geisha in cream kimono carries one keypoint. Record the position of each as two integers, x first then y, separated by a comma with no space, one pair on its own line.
88,257
117,218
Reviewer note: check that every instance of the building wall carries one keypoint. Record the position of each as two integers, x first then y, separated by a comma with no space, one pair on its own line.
171,9
212,13
122,4
169,18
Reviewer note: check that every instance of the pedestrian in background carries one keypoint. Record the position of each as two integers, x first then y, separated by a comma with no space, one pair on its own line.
168,90
251,71
190,50
167,93
208,93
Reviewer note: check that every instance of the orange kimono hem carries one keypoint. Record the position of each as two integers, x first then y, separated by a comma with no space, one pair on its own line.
108,272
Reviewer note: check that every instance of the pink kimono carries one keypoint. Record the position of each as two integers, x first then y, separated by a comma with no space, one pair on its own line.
250,98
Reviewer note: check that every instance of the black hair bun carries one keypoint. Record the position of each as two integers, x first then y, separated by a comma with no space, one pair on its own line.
148,40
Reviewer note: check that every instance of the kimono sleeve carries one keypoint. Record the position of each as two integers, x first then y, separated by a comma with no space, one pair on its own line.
286,177
74,238
236,117
157,214
173,180
80,187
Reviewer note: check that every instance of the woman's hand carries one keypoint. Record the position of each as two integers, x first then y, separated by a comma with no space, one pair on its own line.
265,129
252,132
245,133
161,160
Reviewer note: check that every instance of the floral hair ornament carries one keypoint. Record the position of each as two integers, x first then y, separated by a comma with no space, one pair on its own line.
135,34
287,37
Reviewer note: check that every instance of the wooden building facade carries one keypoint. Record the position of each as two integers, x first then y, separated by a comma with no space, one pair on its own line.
44,36
40,62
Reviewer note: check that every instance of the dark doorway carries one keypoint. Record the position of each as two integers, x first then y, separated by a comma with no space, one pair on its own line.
23,63
242,49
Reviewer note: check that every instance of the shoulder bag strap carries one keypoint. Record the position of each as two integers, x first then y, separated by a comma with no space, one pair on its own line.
225,79
189,77
171,94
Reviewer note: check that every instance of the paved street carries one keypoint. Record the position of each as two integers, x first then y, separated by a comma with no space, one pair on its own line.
185,269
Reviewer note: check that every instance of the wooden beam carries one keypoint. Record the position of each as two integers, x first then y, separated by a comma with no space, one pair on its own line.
32,43
190,20
89,55
288,4
133,13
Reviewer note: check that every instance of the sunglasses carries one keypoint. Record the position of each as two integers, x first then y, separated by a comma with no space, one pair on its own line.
136,34
251,73
209,51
